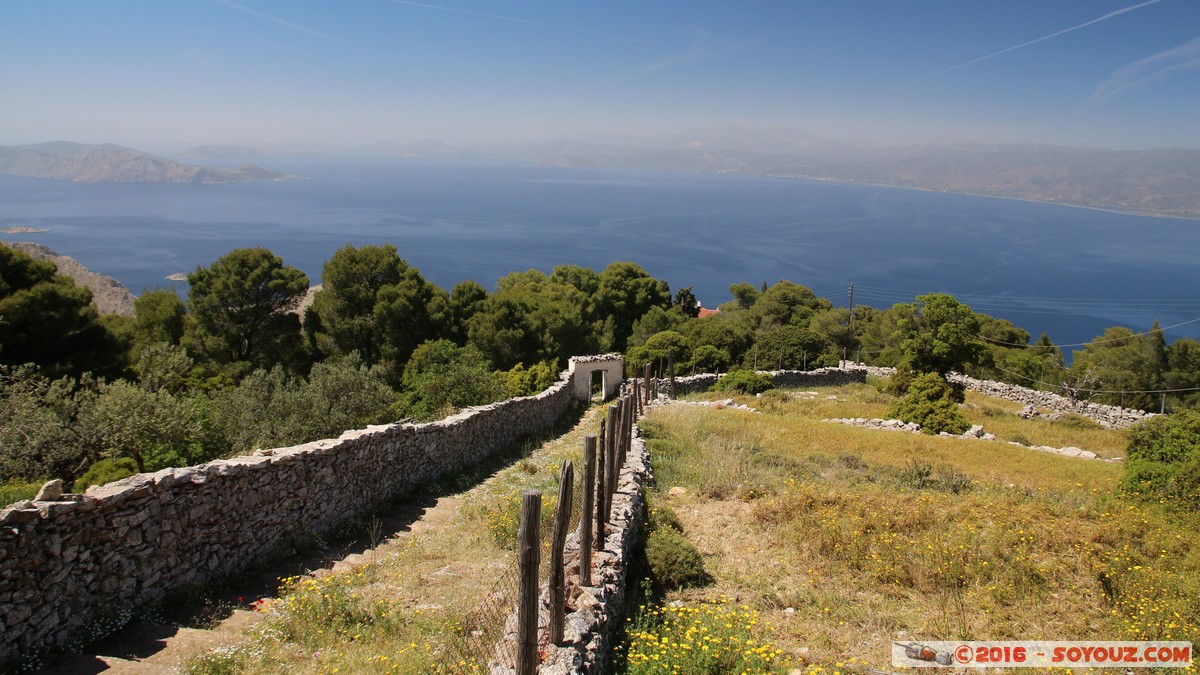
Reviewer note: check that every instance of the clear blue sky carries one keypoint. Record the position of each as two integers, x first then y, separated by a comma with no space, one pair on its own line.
1108,73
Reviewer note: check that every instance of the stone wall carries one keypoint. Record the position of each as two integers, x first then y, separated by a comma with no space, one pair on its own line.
1107,415
68,562
784,379
589,629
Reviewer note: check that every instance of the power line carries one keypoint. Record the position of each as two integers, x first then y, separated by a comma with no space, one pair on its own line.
1093,342
1097,391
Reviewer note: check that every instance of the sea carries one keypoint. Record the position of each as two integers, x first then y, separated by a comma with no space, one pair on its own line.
1067,271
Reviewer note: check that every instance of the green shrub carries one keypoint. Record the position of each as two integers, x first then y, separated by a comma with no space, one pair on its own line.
674,561
920,475
899,382
745,382
1077,421
1164,458
106,471
663,517
929,403
16,490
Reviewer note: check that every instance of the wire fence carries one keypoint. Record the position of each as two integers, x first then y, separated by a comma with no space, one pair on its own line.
480,637
487,634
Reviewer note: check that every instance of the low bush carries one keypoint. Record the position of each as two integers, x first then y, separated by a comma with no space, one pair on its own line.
1164,458
929,403
16,490
106,471
1076,421
744,382
922,476
703,638
663,517
674,561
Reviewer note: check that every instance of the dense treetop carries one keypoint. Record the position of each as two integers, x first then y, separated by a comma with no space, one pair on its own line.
236,366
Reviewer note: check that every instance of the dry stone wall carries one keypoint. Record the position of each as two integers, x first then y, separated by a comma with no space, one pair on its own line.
1107,415
68,562
784,379
589,629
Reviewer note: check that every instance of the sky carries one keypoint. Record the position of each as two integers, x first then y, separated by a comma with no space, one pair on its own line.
1120,74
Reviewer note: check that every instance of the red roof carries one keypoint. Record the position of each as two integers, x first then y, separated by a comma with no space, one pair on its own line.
705,312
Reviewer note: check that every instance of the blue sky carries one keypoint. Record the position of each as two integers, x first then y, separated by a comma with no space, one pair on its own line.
1102,73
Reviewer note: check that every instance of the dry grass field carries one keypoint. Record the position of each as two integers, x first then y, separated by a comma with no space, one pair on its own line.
842,540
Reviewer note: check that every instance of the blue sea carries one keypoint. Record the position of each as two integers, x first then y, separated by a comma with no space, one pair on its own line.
1064,270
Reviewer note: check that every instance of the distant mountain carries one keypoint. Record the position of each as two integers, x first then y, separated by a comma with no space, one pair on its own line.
115,164
1162,182
221,153
108,295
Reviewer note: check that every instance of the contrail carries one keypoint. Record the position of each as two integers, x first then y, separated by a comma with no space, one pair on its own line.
1184,57
514,19
277,21
1085,24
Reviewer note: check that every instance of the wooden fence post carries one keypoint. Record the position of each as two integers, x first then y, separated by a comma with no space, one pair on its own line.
528,559
635,395
671,371
648,374
585,520
625,410
558,543
610,478
628,431
601,482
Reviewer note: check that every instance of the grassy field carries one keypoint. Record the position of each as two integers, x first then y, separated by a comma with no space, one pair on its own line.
427,608
841,540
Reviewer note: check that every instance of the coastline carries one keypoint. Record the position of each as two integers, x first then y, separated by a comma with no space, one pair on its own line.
1031,200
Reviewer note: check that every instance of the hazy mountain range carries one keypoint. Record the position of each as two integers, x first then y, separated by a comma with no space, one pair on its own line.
1161,181
115,164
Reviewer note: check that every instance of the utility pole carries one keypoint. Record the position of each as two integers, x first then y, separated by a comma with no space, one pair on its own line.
851,323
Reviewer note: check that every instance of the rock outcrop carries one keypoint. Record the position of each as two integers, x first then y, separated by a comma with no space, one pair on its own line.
108,295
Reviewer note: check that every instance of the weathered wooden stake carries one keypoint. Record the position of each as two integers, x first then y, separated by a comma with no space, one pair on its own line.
671,371
628,431
585,520
528,559
633,393
648,375
558,543
601,482
625,411
612,468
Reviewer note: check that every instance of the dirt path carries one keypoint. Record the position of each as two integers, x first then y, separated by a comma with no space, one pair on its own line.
162,646
224,617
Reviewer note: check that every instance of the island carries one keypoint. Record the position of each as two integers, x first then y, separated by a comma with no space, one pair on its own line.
79,162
